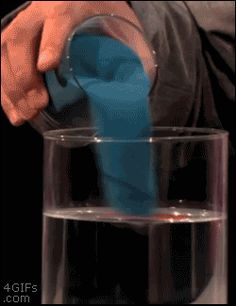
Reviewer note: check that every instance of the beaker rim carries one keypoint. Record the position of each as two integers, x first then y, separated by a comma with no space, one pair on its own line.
159,134
135,27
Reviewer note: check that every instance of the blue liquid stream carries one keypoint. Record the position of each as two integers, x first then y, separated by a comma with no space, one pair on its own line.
117,88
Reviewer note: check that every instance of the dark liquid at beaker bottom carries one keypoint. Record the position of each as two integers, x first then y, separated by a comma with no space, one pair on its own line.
131,262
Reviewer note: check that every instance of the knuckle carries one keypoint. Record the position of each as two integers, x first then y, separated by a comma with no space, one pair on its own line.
60,9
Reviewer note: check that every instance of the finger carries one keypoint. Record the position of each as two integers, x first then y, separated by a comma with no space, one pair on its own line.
55,33
61,21
13,91
10,110
22,82
7,78
64,17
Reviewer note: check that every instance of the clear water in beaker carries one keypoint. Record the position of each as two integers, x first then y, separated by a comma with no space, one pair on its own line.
94,254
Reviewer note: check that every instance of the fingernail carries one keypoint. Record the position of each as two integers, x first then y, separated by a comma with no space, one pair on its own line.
44,58
37,98
35,93
32,93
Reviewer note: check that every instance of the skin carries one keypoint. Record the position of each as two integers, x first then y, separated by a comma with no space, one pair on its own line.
33,44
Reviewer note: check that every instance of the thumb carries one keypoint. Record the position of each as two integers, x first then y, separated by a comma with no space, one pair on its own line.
54,35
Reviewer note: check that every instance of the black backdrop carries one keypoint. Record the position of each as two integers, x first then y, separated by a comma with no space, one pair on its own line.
21,200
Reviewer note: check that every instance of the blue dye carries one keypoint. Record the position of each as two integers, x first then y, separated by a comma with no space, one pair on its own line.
117,87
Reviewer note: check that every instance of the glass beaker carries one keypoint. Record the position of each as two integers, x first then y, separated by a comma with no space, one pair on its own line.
68,106
93,254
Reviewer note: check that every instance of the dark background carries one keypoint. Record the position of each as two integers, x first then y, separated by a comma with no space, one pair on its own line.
21,198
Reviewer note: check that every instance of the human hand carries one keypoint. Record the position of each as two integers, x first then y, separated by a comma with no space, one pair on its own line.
33,43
